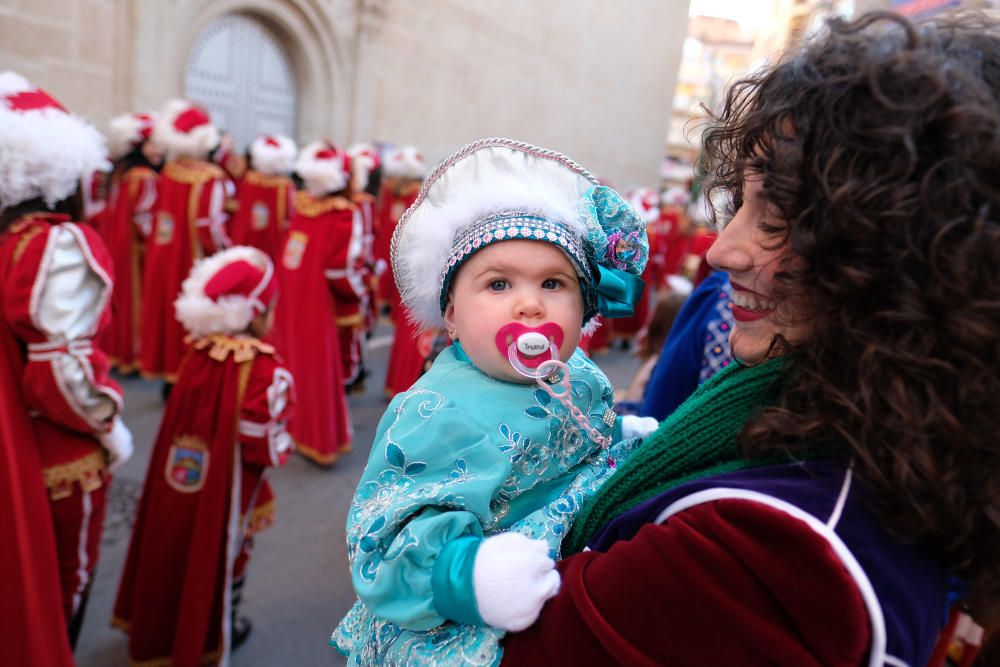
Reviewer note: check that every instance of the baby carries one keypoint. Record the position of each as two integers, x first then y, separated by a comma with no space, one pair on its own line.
478,470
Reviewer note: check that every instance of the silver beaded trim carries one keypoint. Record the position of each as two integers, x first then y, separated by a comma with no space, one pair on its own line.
509,225
464,152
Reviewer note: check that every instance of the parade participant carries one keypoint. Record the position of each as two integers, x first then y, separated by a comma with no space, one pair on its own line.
319,278
807,505
646,202
366,166
206,493
265,196
127,225
404,169
60,432
476,471
188,224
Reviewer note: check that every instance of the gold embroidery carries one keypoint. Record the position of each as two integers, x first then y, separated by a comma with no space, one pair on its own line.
192,172
242,349
265,180
260,519
311,208
295,249
88,471
355,320
22,243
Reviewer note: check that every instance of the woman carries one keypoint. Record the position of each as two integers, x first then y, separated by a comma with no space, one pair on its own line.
816,503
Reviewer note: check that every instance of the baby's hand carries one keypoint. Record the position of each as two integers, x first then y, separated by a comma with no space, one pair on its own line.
638,427
513,577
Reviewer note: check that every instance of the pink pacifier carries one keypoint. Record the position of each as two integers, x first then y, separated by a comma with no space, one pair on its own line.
528,347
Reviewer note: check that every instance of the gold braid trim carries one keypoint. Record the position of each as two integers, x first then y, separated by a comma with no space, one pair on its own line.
265,180
242,349
26,238
261,518
309,207
89,471
355,320
192,172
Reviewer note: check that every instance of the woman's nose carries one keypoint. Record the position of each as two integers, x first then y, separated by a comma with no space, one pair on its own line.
732,251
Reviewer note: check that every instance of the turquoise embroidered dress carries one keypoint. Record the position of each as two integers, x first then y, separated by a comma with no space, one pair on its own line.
459,457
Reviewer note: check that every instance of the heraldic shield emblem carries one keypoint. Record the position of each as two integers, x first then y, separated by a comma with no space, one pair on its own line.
261,216
295,248
164,228
187,464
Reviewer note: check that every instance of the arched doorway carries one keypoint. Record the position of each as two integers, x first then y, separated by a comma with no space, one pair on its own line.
241,72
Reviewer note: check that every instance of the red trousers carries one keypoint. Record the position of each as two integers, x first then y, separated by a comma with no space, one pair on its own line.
78,520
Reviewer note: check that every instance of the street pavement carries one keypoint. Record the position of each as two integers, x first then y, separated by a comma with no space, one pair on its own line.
298,585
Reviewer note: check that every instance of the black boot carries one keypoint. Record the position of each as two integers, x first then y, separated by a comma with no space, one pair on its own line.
240,626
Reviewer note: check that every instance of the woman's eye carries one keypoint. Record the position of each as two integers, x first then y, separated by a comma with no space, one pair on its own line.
498,285
769,229
550,283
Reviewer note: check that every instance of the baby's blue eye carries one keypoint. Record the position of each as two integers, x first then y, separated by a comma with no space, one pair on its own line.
498,285
550,283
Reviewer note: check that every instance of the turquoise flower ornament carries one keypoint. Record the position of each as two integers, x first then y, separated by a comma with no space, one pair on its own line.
617,244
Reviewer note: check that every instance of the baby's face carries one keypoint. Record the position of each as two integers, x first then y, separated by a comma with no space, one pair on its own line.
528,282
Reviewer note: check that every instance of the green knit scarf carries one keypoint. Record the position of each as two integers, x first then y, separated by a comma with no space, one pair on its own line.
697,440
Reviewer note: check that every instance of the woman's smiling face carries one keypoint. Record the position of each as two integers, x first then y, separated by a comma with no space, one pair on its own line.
752,249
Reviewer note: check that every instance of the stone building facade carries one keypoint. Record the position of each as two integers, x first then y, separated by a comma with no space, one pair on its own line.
588,77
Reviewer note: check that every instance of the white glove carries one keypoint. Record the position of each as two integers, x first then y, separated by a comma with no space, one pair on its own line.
638,427
117,443
380,267
513,577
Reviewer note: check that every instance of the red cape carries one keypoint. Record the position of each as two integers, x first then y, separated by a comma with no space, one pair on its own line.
174,593
264,205
32,626
306,327
184,194
125,243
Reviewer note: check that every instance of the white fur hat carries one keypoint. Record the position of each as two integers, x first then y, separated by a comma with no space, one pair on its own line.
404,162
498,189
185,129
676,196
324,167
646,203
364,160
127,131
225,292
44,149
272,154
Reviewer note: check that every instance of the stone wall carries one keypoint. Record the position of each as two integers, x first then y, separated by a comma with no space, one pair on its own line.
585,77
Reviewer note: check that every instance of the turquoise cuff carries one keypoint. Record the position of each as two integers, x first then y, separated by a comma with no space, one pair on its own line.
451,581
616,430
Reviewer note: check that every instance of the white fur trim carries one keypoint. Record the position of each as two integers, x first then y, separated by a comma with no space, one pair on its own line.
404,162
197,143
483,178
591,326
43,153
646,203
363,161
680,284
676,196
124,132
321,176
268,159
200,315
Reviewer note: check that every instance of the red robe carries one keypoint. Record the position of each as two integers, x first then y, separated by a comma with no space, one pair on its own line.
263,208
32,624
204,491
188,225
410,349
392,206
306,324
128,223
366,204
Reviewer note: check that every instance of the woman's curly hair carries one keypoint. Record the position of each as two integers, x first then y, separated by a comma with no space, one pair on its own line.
879,144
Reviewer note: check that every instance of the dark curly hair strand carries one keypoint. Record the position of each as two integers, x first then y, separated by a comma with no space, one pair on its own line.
879,144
